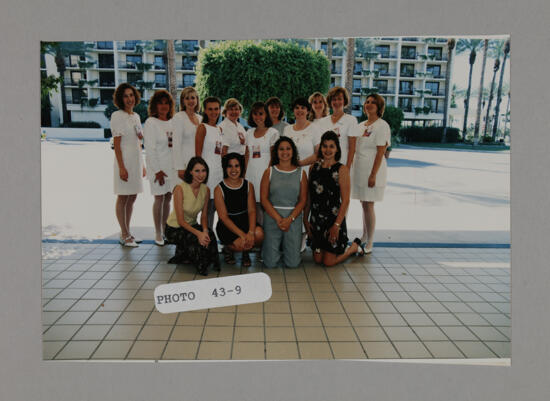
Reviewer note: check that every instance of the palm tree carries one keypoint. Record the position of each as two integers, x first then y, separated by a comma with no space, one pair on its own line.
496,49
171,69
480,97
499,92
450,51
462,46
350,64
60,50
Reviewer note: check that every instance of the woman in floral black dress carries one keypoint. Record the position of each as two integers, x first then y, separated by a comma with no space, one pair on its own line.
329,191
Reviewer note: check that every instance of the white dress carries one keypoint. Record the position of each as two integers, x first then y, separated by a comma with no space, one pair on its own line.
344,128
128,127
211,153
158,136
231,136
184,139
305,141
259,155
368,138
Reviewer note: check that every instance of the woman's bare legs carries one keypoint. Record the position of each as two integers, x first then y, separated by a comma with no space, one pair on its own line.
123,209
331,259
161,208
369,222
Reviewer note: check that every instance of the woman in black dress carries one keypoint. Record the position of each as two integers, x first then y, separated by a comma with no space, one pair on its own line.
329,192
236,207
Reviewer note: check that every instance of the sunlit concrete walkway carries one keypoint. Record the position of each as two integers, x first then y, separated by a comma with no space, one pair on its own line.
399,302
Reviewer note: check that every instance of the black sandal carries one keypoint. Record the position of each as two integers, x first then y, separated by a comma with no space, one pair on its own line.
246,262
360,247
228,256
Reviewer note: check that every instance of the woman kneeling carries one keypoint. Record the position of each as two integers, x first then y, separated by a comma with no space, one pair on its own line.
194,242
236,207
329,192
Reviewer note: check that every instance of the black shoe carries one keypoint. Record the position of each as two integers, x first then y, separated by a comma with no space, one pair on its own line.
246,262
228,256
177,260
203,270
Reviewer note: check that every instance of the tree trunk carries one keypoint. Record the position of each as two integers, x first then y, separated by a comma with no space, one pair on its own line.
496,66
467,98
480,97
171,69
60,63
350,61
499,92
451,45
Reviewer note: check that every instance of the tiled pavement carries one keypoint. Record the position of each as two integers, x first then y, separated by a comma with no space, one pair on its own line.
395,303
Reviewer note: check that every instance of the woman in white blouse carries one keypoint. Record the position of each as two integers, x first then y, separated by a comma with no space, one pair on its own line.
344,125
232,131
128,164
208,145
319,107
304,133
185,124
158,133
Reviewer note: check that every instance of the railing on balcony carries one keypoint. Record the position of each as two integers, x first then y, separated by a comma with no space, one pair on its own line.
388,38
103,45
388,55
435,92
129,65
106,65
387,73
408,56
386,90
107,83
336,70
127,45
410,39
406,109
159,66
408,74
186,66
160,84
406,91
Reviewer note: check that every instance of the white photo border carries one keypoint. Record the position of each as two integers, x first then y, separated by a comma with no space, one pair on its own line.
23,373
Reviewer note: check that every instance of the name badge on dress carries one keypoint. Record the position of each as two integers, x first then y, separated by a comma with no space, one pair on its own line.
218,149
137,129
367,132
256,151
169,135
337,131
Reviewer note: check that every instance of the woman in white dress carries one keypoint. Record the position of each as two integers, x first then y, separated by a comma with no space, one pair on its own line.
370,168
343,124
233,133
259,145
128,163
208,145
276,113
158,133
304,133
319,107
185,124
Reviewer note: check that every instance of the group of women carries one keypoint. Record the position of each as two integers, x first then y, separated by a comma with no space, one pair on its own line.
272,186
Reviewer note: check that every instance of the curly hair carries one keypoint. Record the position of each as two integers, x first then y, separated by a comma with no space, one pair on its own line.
118,96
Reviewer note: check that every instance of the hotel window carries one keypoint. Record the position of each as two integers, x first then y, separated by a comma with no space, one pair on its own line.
74,59
408,52
405,103
407,70
134,77
130,44
324,47
384,50
106,78
78,95
435,51
106,96
382,68
356,85
358,69
76,76
433,69
381,84
160,80
106,61
432,103
406,87
356,102
132,59
105,45
159,63
434,87
189,80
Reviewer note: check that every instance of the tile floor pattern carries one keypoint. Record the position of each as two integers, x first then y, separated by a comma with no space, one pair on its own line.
395,303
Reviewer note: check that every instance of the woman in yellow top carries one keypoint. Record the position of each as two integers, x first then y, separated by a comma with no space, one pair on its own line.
194,242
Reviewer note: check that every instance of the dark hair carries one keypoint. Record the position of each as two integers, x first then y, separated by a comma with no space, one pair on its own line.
155,100
275,154
254,109
187,177
330,136
118,96
230,156
277,101
301,101
209,99
336,90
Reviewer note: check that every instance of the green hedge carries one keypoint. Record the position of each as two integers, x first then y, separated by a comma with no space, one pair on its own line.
81,124
429,134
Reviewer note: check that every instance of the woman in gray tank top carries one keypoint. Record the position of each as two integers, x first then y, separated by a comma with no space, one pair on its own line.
283,194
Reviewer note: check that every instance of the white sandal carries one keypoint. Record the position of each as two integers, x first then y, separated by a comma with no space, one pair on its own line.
129,241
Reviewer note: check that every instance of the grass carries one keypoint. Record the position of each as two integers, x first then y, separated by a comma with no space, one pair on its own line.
480,147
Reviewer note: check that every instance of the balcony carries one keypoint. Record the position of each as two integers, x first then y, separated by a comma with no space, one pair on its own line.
107,65
408,56
103,46
336,70
408,74
185,66
127,65
187,46
127,45
435,92
159,66
388,55
392,39
436,57
410,39
106,83
160,84
406,109
386,91
408,92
